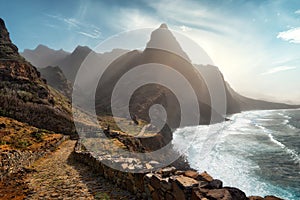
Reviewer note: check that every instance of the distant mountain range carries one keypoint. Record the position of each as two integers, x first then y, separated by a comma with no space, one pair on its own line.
146,96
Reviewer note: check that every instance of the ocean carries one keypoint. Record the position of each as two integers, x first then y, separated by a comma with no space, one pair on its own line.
256,151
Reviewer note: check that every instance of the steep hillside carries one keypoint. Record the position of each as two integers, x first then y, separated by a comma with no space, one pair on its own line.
25,96
56,79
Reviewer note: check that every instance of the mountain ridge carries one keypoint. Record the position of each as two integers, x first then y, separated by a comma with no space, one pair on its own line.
235,102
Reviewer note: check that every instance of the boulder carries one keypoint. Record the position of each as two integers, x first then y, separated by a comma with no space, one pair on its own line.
186,183
204,176
191,174
196,194
219,194
236,193
214,184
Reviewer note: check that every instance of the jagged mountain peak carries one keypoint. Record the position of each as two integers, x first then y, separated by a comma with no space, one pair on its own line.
162,38
80,48
163,25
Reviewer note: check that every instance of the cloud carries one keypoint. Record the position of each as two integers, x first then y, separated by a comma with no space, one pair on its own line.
292,35
133,19
86,29
278,69
185,28
71,22
93,35
297,12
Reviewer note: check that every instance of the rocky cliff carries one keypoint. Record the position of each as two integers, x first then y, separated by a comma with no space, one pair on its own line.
25,96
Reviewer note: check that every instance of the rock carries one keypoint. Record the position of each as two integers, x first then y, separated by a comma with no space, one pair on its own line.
204,176
148,177
272,198
54,195
169,196
219,194
155,195
153,162
155,181
196,194
179,172
255,198
214,184
150,188
167,171
191,174
236,193
166,185
177,191
148,166
124,166
131,167
186,183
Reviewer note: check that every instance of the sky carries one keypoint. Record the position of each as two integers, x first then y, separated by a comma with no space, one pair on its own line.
256,44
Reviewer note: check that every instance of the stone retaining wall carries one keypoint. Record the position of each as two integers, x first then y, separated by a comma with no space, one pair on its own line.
167,183
12,161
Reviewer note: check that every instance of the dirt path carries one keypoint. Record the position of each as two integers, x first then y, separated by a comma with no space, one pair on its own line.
58,176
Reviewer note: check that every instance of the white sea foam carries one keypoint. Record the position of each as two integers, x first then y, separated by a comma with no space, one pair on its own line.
237,139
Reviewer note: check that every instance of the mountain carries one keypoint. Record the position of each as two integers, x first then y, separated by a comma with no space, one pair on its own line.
42,56
171,54
24,96
162,37
56,79
247,103
156,51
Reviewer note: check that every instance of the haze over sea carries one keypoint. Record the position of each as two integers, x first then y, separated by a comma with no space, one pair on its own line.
257,151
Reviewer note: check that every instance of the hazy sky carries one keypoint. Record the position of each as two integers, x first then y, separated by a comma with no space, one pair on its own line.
256,44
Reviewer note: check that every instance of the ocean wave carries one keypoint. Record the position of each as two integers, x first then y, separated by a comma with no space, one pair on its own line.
293,154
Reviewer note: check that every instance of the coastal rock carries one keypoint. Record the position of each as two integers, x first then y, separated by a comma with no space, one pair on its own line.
220,194
186,182
191,174
236,193
167,171
255,198
214,184
204,176
196,194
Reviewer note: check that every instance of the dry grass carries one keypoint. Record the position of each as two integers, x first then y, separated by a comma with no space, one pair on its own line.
17,135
